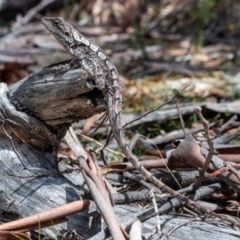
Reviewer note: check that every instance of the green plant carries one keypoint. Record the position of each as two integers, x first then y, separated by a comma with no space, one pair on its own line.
175,124
138,151
135,37
200,16
16,236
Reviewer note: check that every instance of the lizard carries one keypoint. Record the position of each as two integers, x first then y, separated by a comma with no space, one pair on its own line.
104,73
93,59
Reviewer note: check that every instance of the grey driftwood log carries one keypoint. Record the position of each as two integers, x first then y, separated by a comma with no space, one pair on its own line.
35,114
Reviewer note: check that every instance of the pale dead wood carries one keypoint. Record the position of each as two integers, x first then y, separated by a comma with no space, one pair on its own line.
40,186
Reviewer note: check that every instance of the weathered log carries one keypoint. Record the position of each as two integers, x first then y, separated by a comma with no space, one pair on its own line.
30,180
58,95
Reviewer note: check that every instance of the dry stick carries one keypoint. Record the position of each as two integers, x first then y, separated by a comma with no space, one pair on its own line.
41,225
14,148
236,165
99,199
96,175
107,189
142,182
230,123
154,202
18,155
47,218
211,148
225,139
48,173
233,170
231,166
189,211
100,144
181,118
134,140
136,230
103,119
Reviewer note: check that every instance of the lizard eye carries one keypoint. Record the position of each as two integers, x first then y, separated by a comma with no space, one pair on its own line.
55,22
66,34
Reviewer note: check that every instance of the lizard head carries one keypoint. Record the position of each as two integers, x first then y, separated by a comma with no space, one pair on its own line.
61,30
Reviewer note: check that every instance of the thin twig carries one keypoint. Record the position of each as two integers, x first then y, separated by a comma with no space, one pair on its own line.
154,202
18,155
181,119
141,181
211,148
155,109
178,226
31,13
233,170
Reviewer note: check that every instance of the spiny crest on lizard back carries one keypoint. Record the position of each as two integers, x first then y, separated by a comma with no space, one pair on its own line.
64,32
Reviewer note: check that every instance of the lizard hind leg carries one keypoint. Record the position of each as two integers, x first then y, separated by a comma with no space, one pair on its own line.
103,119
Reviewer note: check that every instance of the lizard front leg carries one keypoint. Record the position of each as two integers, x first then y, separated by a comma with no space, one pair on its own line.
94,69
